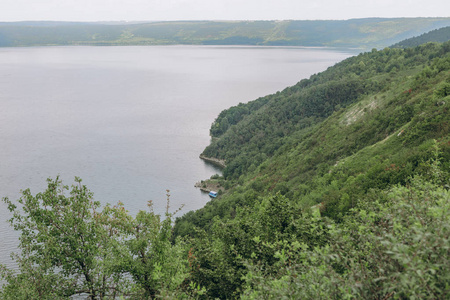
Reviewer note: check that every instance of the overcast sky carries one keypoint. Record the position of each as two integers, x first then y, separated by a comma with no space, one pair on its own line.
149,10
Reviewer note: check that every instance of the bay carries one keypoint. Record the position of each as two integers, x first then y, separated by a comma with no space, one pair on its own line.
130,121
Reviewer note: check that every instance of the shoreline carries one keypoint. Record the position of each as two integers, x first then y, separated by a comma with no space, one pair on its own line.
218,162
208,185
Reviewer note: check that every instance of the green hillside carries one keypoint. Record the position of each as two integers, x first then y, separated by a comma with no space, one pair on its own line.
358,33
337,141
440,35
335,188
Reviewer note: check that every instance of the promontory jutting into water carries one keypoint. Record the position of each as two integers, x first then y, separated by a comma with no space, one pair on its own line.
130,121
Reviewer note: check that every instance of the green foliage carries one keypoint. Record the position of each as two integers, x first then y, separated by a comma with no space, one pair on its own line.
142,249
440,35
68,247
295,111
377,141
396,248
254,234
336,188
59,232
342,161
233,115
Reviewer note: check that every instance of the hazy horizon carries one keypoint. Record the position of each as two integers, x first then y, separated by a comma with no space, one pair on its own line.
214,10
211,20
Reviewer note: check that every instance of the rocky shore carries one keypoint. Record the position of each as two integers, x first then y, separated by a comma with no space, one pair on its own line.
209,185
215,161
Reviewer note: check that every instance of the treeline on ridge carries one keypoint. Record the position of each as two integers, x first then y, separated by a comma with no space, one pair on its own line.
440,35
359,33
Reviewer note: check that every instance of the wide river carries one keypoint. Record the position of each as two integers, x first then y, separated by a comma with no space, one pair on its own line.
130,121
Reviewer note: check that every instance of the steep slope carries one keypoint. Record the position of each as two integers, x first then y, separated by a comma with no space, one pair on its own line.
366,123
440,35
326,180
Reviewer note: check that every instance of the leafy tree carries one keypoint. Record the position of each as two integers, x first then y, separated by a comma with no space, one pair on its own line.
61,235
69,247
142,249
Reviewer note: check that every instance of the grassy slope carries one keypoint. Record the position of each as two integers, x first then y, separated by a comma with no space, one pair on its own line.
361,33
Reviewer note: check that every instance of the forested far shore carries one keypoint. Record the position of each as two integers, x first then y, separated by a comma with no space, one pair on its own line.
354,33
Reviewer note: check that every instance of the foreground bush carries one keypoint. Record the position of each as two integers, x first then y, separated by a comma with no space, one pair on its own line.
68,247
397,247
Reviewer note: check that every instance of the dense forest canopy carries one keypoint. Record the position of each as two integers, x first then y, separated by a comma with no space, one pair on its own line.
336,187
339,142
440,35
358,33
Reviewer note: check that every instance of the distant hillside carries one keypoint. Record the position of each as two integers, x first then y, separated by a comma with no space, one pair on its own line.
440,35
358,33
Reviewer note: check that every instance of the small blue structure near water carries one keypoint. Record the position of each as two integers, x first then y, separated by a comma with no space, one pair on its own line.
213,194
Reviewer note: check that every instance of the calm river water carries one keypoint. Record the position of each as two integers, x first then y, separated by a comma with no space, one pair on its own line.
130,121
